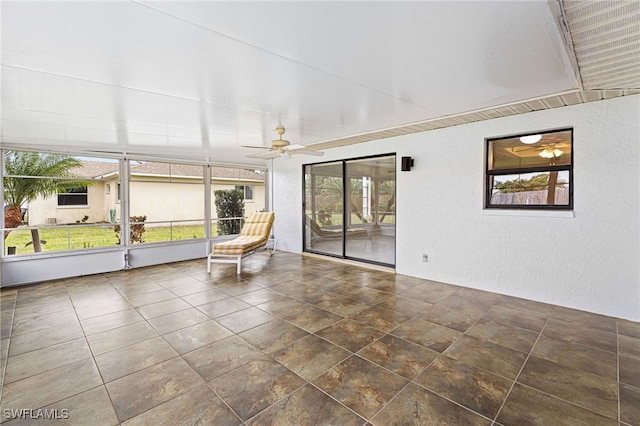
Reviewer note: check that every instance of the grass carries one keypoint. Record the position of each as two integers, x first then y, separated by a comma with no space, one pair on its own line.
336,218
76,237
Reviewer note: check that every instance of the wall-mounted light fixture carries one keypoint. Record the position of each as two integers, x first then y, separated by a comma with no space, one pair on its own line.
406,164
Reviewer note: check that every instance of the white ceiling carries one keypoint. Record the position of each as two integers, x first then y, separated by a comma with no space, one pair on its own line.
196,80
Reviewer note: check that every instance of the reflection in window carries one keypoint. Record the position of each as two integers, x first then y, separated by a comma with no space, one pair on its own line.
530,171
73,197
349,209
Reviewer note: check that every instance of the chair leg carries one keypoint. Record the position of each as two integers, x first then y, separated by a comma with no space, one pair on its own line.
208,264
239,265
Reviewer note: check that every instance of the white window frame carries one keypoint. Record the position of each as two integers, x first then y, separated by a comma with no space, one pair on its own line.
244,191
85,193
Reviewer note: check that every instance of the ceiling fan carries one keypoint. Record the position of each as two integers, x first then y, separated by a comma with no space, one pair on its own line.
282,148
546,150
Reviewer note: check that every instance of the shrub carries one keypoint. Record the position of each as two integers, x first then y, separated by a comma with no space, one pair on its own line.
137,229
229,203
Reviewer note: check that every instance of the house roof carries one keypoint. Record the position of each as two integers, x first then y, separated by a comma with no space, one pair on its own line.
94,169
98,169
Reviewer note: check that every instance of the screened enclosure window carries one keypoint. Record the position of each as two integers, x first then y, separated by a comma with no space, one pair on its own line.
37,188
532,171
235,194
73,197
166,201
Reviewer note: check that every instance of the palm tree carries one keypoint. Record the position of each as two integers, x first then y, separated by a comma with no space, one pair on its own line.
30,175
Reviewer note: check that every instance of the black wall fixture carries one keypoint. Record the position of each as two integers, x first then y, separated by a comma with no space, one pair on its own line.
406,164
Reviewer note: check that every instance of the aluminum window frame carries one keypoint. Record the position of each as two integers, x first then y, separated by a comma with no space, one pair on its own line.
490,174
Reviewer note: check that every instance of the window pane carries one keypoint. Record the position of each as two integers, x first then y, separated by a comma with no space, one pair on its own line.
531,189
323,194
72,200
370,235
63,238
167,202
387,202
552,149
72,207
350,209
73,196
250,182
247,191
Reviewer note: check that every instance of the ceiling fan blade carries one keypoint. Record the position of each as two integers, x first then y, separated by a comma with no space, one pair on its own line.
253,146
265,155
306,152
294,146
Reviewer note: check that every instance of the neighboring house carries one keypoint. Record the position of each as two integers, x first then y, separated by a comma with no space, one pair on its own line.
160,191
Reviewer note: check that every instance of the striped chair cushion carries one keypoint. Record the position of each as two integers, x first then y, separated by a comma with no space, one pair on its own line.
254,234
239,245
258,223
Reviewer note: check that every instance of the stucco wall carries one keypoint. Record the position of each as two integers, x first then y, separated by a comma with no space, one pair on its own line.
42,209
589,260
177,201
158,201
161,201
250,206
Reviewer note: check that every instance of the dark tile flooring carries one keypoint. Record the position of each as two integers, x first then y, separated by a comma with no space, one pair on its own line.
299,340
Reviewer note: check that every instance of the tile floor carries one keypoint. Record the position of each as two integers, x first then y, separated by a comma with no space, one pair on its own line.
304,341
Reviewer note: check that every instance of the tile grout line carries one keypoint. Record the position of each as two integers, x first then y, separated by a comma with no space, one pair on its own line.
178,356
64,284
93,356
384,406
409,381
6,359
515,380
444,354
618,369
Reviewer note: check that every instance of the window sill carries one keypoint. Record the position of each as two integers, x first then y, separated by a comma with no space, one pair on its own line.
74,207
529,213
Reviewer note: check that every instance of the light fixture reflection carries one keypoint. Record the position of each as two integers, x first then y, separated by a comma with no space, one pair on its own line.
550,152
530,139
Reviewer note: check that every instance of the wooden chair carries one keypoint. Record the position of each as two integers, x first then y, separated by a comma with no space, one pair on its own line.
253,237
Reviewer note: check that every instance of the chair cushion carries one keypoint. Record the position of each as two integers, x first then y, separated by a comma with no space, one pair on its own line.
258,224
239,245
335,233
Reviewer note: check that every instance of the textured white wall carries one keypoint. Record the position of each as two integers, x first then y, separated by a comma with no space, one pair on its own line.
589,260
43,208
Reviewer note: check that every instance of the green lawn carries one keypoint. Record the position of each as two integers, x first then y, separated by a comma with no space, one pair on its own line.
336,218
90,236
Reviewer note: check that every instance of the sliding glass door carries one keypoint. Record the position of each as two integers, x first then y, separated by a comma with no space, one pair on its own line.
350,209
324,208
371,233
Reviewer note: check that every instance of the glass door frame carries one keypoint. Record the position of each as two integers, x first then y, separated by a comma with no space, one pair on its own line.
345,220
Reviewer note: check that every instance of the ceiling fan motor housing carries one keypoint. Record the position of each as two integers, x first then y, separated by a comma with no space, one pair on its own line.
279,144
